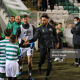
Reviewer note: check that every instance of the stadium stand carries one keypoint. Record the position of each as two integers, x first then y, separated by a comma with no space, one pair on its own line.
11,8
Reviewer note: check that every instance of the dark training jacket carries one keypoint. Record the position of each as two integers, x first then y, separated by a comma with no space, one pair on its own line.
46,35
76,34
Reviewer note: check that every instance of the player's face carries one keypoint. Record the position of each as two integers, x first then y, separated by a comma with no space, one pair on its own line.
44,21
12,19
25,20
17,19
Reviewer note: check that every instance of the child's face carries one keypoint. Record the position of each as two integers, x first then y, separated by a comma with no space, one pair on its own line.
59,25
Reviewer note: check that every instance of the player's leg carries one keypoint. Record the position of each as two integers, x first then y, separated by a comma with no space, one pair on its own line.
49,66
30,66
21,59
29,56
42,58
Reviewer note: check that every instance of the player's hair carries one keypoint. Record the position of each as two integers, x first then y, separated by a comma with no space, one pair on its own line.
13,38
24,16
12,16
45,15
7,32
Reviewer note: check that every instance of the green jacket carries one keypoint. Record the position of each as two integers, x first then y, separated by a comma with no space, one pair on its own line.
15,27
63,38
8,26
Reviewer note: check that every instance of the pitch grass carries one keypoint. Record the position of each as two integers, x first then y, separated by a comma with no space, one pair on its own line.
61,70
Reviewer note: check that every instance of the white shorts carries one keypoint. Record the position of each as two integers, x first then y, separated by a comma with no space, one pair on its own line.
26,51
12,68
2,70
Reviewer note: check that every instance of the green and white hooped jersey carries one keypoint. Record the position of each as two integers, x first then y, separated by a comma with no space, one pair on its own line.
12,52
3,43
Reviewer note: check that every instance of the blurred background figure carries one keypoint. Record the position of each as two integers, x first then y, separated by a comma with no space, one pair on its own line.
76,38
0,2
51,3
79,1
43,4
61,39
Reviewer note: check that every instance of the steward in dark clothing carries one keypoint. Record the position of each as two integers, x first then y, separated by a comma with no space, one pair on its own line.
76,34
47,36
76,37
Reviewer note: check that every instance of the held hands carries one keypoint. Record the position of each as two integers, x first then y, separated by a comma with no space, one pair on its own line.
26,42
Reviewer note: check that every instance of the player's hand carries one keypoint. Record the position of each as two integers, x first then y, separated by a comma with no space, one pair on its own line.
31,45
57,45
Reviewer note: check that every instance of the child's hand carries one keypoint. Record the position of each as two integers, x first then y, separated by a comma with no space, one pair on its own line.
26,43
58,31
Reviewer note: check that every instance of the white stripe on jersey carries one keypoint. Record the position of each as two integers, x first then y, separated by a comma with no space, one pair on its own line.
13,53
11,45
12,49
11,57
